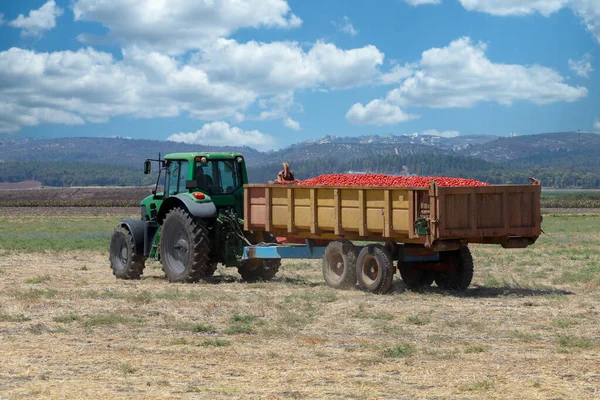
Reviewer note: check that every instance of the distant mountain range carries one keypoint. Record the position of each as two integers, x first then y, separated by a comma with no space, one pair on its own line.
571,151
104,150
133,152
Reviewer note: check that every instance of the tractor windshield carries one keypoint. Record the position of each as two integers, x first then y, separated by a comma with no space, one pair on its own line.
218,176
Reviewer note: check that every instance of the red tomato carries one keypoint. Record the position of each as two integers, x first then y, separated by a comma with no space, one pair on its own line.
387,180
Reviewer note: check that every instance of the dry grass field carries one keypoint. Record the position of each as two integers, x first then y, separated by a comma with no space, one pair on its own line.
528,328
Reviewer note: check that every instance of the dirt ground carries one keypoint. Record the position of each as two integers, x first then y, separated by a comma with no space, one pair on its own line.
69,329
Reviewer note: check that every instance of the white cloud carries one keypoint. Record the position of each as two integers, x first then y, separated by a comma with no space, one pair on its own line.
345,68
220,82
291,124
421,2
282,66
514,7
397,74
176,26
14,116
345,26
582,67
589,11
377,112
222,134
460,76
277,107
597,124
87,85
435,132
38,21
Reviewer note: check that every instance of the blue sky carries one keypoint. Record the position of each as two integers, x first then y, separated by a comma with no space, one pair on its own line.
270,73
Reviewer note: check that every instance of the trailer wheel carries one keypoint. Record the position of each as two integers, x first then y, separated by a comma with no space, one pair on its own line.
184,247
339,264
459,277
124,263
374,269
415,278
264,271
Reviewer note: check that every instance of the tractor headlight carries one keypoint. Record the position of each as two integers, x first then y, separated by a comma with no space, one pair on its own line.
203,160
239,160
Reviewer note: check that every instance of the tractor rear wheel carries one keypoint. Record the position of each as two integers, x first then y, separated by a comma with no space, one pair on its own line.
259,270
339,264
184,247
460,274
124,263
374,269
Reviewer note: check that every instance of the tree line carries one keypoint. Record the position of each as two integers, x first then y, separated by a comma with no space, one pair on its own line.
564,173
57,173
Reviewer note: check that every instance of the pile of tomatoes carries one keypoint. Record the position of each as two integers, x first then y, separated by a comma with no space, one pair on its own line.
387,180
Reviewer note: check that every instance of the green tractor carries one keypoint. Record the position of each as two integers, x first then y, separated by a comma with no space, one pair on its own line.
193,224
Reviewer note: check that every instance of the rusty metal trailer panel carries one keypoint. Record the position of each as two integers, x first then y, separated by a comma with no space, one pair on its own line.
442,218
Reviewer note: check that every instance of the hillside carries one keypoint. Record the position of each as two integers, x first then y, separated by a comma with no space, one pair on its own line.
543,147
563,159
104,150
133,152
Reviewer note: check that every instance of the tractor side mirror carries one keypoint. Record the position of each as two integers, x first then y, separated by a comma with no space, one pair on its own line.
147,167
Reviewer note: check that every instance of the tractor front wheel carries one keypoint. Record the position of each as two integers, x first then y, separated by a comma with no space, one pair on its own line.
184,247
124,263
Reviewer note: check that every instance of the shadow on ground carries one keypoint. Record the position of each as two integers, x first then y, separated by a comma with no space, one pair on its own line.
225,279
399,287
490,292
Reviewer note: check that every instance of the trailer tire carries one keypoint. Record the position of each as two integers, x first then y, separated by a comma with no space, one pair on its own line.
339,264
459,278
374,269
415,278
184,247
124,263
265,271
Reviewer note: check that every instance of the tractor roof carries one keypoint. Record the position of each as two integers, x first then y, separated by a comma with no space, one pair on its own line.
209,155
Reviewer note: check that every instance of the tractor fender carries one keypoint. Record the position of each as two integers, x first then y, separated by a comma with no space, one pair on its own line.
136,228
198,210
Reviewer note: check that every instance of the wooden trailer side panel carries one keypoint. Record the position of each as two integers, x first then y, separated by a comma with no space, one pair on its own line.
487,211
318,212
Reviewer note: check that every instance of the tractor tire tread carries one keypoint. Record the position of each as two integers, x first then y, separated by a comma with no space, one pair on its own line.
198,234
135,267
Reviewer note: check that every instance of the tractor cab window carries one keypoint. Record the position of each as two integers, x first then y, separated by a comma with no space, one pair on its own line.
218,176
178,171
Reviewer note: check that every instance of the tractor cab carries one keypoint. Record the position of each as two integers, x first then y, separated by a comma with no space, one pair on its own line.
193,179
216,176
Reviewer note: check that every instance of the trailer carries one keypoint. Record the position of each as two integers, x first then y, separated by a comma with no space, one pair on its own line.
360,232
